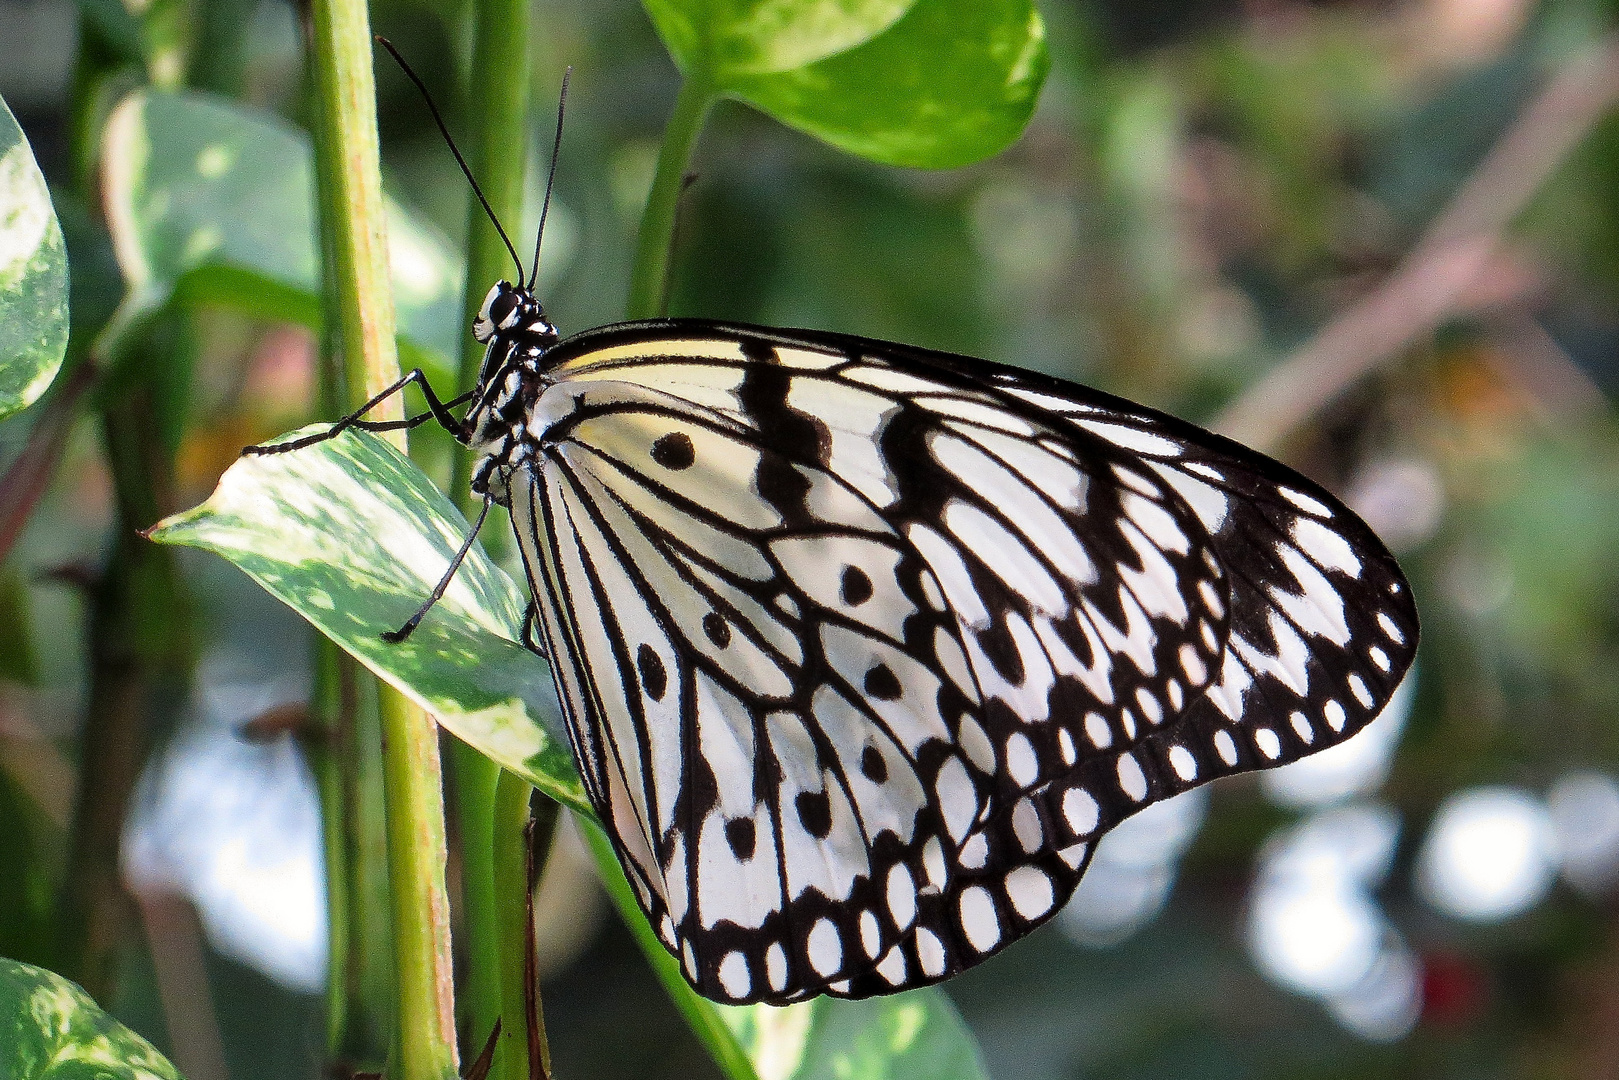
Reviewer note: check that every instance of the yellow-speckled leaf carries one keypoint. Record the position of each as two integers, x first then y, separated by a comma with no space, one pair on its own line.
51,1030
352,536
33,275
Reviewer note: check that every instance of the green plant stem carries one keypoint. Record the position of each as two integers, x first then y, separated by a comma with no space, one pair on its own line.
140,666
329,749
499,159
352,212
649,279
421,909
514,886
346,764
500,87
167,29
356,237
347,761
702,1016
479,1001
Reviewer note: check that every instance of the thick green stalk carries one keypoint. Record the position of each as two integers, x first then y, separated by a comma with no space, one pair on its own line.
649,279
500,92
500,89
352,211
514,887
479,999
352,216
417,851
346,756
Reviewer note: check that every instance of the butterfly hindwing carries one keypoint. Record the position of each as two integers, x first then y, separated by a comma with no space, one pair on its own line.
922,629
769,735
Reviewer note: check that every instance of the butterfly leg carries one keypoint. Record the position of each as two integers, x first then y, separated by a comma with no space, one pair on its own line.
393,637
529,643
437,410
411,422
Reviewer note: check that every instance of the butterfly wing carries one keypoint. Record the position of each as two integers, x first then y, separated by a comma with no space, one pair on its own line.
768,807
1041,607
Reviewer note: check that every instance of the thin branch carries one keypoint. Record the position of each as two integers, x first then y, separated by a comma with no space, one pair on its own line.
1537,367
649,277
1434,277
31,471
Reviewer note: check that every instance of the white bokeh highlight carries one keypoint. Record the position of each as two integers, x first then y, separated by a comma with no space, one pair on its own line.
1314,928
1584,808
1491,853
1133,870
1402,499
235,826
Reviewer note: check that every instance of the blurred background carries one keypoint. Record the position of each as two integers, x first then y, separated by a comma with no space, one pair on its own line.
1379,239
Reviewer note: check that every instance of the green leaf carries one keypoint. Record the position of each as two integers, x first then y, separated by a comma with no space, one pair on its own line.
939,84
953,82
353,536
33,275
51,1030
197,186
917,1035
750,37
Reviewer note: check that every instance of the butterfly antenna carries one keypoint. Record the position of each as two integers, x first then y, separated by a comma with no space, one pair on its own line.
545,208
459,160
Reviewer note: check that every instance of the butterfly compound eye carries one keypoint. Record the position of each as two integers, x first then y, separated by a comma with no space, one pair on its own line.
497,305
503,310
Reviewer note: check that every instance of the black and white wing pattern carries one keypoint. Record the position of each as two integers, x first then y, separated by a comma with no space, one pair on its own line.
862,647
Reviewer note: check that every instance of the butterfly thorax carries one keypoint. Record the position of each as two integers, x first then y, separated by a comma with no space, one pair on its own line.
518,335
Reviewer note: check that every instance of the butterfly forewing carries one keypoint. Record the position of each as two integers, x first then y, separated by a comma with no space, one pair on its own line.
862,646
1053,551
1322,623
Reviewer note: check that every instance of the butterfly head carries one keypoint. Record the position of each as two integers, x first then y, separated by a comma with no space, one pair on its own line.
511,311
514,327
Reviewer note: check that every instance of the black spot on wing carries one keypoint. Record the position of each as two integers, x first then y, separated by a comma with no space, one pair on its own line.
814,813
654,679
855,586
715,627
674,451
741,836
882,684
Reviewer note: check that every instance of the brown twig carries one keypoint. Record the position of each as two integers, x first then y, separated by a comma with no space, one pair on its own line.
140,648
1435,276
30,473
1537,367
174,933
